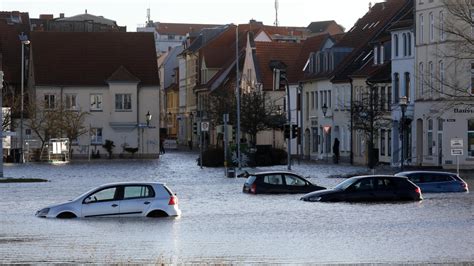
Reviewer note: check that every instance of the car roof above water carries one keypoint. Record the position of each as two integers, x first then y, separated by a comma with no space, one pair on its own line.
132,183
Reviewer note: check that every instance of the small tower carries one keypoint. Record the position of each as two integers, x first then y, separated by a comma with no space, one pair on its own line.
276,13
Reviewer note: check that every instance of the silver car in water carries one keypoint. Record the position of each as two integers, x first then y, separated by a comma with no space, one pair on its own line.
125,199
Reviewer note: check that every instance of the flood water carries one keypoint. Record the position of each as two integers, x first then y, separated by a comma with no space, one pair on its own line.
220,224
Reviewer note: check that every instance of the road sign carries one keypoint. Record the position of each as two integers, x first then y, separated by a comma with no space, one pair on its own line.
457,143
456,152
204,126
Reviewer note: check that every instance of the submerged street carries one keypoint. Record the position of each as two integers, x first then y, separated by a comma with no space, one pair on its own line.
220,224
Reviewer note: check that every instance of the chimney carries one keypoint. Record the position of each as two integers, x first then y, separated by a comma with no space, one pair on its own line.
61,15
370,6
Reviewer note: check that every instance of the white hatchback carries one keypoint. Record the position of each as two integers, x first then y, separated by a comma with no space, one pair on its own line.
149,199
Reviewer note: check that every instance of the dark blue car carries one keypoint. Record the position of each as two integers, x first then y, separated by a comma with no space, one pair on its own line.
434,181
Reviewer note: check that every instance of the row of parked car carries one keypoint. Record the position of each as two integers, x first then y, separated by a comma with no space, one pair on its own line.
154,199
401,186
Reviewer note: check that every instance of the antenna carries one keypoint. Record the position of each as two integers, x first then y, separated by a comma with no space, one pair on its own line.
147,15
276,13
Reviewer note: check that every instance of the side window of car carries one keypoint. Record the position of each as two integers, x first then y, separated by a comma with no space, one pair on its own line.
415,178
363,185
442,178
294,181
106,194
385,183
273,179
134,192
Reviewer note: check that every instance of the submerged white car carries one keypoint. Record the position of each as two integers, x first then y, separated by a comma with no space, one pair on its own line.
129,199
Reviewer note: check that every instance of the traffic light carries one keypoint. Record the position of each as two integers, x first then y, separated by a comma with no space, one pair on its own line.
294,131
195,128
287,131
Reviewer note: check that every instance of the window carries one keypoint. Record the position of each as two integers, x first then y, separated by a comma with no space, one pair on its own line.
441,26
389,146
123,102
431,27
421,80
441,77
472,79
389,98
325,61
96,102
405,48
312,100
382,142
135,192
362,185
376,54
431,84
382,53
430,137
316,100
294,181
409,43
407,85
396,87
329,99
273,180
49,101
421,29
106,194
96,135
71,103
470,137
395,44
382,98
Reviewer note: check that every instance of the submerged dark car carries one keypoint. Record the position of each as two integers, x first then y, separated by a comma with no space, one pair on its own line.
435,181
369,188
276,182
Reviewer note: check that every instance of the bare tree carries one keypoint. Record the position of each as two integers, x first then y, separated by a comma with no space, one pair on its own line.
369,115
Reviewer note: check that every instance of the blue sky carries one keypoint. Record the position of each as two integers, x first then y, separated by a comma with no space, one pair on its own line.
132,13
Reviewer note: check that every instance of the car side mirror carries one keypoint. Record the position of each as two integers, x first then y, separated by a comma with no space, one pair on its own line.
88,200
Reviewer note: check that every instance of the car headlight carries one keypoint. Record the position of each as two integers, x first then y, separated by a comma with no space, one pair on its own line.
42,212
315,199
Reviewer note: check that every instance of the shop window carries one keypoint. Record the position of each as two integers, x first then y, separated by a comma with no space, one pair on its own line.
470,137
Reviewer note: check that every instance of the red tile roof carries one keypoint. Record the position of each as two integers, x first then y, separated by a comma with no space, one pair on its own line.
90,58
287,53
10,45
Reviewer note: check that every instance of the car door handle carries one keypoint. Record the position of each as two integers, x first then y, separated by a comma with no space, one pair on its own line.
146,202
114,205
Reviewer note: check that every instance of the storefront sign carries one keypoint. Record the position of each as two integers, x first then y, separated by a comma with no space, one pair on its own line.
463,111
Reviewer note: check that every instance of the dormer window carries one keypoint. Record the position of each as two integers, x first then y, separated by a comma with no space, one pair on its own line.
376,54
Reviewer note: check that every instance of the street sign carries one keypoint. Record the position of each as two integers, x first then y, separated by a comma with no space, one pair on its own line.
457,143
204,126
456,152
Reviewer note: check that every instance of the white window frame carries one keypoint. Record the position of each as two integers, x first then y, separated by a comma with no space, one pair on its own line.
442,34
96,135
49,101
71,101
421,29
432,29
123,102
395,45
96,100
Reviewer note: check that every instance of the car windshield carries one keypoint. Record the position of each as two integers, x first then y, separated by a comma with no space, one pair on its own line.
345,184
250,179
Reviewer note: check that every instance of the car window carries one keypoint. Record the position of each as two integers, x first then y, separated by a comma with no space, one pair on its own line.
250,179
102,195
416,178
273,179
292,180
385,183
363,185
131,192
430,177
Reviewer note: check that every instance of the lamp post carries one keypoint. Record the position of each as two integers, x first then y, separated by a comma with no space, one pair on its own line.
24,41
325,109
300,135
403,107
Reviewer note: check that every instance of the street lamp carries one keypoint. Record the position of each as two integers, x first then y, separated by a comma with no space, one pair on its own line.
325,109
24,41
148,118
403,106
326,129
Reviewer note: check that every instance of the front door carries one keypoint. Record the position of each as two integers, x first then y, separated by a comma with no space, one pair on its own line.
101,203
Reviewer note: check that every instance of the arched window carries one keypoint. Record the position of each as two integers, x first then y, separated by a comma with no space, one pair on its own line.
431,27
441,77
430,137
405,48
396,87
395,44
421,29
409,43
441,26
421,80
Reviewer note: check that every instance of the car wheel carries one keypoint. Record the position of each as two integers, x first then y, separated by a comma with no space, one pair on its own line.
157,213
66,215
